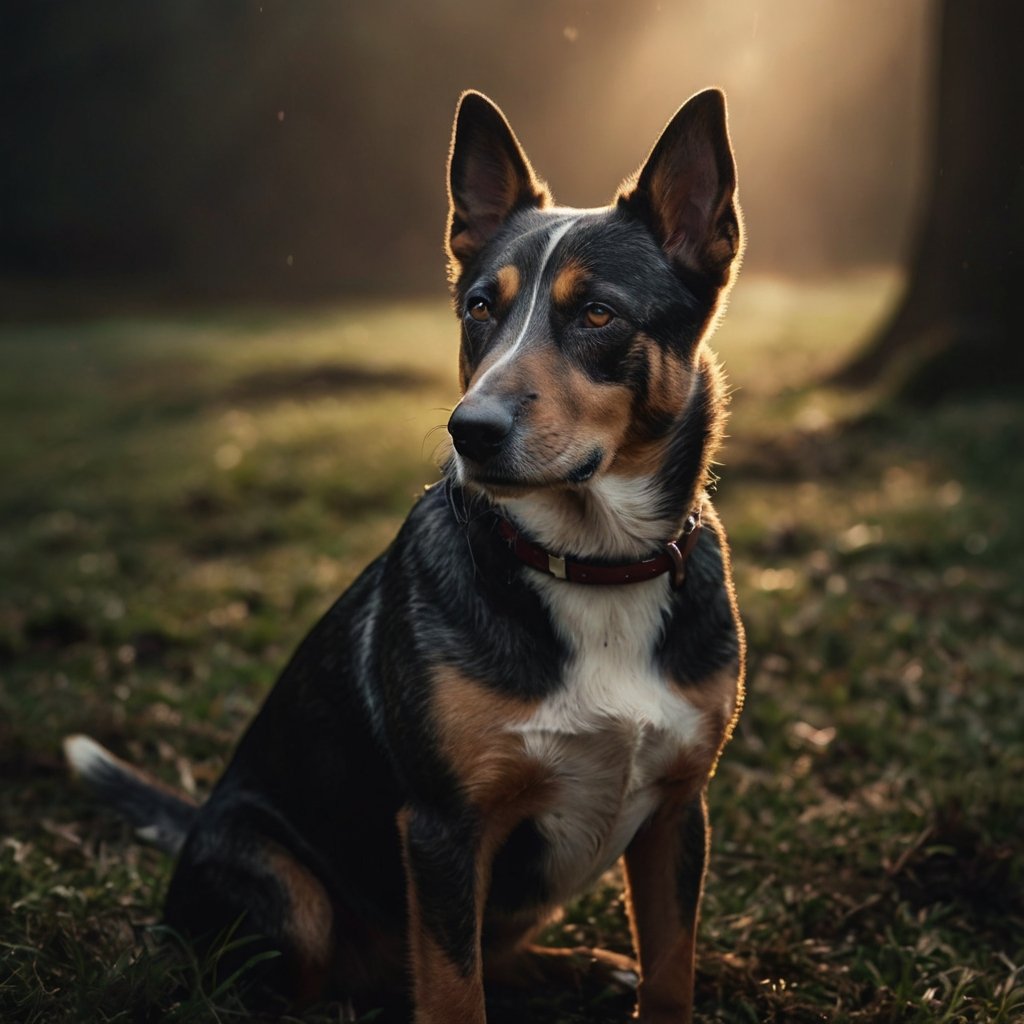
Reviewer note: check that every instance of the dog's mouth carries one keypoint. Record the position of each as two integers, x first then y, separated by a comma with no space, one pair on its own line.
587,468
505,479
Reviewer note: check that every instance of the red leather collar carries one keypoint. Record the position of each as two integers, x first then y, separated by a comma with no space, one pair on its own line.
671,559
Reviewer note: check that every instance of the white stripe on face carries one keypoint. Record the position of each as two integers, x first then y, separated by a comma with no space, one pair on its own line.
558,232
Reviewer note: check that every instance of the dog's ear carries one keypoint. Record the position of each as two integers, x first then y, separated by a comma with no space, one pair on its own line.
685,192
489,177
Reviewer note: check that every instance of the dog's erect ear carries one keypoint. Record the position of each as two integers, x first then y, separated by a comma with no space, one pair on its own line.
685,192
489,177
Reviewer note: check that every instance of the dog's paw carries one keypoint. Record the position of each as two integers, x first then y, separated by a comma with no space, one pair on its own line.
606,969
578,967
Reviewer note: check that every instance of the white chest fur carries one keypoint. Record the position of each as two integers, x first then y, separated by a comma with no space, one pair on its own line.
610,732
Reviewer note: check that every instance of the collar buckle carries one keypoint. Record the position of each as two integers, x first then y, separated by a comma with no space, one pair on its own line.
678,570
680,555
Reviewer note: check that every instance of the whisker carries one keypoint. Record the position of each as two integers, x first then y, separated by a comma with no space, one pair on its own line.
427,435
439,456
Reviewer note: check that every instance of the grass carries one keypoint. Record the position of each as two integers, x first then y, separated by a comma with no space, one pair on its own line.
184,495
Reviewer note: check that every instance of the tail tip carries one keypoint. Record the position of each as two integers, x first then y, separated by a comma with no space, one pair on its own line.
84,755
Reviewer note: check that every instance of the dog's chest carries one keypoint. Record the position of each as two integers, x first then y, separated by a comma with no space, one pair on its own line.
609,734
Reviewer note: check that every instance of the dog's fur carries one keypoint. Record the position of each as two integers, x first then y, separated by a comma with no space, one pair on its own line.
463,743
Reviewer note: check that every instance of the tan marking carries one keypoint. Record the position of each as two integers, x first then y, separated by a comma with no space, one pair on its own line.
309,924
686,775
442,994
508,284
568,283
605,410
570,416
715,694
490,762
669,385
718,698
664,940
670,379
666,994
640,458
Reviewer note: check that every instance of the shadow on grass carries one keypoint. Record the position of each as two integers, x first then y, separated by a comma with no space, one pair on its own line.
179,391
327,379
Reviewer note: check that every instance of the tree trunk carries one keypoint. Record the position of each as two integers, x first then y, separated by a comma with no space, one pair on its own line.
957,326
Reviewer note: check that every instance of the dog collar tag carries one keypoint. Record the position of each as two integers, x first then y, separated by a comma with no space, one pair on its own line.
556,566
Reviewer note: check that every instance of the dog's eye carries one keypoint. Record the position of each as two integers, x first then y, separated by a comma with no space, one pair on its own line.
596,314
479,309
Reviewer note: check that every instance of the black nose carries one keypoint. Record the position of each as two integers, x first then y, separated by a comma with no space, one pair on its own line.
479,426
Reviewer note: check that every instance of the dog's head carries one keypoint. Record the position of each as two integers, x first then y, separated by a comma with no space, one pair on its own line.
581,328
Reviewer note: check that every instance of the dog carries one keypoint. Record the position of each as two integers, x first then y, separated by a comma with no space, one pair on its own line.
538,676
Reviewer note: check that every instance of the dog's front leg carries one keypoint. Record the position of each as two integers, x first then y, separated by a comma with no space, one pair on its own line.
665,869
445,895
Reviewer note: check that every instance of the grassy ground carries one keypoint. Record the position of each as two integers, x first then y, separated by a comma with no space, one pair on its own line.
182,497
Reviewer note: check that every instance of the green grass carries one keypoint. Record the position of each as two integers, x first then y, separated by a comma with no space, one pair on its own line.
182,496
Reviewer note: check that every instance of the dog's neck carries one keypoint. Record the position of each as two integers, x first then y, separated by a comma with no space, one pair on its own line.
610,518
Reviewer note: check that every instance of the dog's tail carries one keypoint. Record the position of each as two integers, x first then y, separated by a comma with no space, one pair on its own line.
161,817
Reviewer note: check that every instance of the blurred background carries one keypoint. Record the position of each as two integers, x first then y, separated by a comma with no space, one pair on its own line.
227,358
297,150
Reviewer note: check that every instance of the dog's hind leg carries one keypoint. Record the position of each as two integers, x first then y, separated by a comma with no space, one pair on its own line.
236,884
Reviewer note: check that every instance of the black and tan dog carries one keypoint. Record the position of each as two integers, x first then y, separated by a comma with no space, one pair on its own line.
537,677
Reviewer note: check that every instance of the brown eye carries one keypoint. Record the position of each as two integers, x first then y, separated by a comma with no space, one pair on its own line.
479,310
596,315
